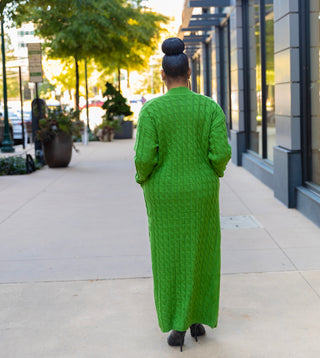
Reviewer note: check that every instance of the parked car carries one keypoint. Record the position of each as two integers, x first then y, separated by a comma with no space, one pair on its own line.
2,128
15,118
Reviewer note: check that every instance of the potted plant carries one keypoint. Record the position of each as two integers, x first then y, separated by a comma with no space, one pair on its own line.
56,132
116,109
106,130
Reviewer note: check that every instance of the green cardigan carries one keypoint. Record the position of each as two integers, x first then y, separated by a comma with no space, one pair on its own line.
181,151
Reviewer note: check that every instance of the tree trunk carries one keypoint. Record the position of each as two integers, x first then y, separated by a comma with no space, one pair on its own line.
77,87
87,93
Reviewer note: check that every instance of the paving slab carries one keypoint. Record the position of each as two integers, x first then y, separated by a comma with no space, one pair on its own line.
88,221
75,267
261,315
313,279
304,258
247,239
262,260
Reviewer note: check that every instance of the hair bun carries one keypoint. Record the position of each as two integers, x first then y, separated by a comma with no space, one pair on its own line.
172,46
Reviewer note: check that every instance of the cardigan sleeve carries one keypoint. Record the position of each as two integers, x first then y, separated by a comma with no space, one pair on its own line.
146,147
219,148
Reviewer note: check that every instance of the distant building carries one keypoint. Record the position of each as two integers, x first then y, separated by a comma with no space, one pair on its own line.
20,37
259,59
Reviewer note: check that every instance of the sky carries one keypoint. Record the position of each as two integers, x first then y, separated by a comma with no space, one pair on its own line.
168,7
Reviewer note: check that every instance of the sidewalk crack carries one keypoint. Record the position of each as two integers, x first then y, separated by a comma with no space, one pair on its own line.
309,284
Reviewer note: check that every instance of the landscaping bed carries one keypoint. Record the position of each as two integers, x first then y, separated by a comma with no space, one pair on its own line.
18,165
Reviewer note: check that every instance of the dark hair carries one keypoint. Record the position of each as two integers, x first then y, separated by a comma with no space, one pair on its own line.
174,63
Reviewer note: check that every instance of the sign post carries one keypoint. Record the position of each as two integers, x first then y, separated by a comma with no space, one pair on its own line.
38,105
35,62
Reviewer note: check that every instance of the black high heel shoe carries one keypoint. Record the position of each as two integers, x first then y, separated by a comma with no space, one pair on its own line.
197,330
176,338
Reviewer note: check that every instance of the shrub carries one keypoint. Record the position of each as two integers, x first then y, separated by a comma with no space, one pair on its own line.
56,121
16,165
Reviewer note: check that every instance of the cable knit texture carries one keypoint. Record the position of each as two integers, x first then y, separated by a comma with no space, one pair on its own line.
181,151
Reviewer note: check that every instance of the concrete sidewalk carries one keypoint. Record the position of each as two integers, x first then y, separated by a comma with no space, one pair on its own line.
75,268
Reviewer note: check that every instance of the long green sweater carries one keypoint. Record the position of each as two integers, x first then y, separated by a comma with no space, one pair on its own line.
181,151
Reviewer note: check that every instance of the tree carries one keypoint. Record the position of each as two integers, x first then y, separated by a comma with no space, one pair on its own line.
141,39
73,28
105,30
4,3
151,79
46,89
61,73
115,104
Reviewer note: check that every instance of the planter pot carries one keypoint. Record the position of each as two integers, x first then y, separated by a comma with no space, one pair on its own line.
125,131
110,135
105,135
57,153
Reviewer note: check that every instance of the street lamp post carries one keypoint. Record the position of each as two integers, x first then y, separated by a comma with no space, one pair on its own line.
6,143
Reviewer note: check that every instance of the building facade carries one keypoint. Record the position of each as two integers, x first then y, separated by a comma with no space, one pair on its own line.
259,59
20,37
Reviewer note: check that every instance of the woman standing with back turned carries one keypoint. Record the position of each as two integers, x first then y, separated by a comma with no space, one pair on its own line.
181,151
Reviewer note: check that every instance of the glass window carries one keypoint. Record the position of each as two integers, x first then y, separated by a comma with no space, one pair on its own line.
225,74
262,131
315,90
214,84
271,125
256,121
198,74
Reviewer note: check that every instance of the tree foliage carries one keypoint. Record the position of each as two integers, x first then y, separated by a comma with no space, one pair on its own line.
3,4
61,73
73,28
151,79
140,40
115,33
115,104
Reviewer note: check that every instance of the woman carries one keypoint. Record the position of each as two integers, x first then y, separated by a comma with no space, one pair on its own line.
181,151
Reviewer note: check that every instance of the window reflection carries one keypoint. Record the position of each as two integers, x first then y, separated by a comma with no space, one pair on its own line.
271,130
198,74
257,105
315,95
256,119
214,85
